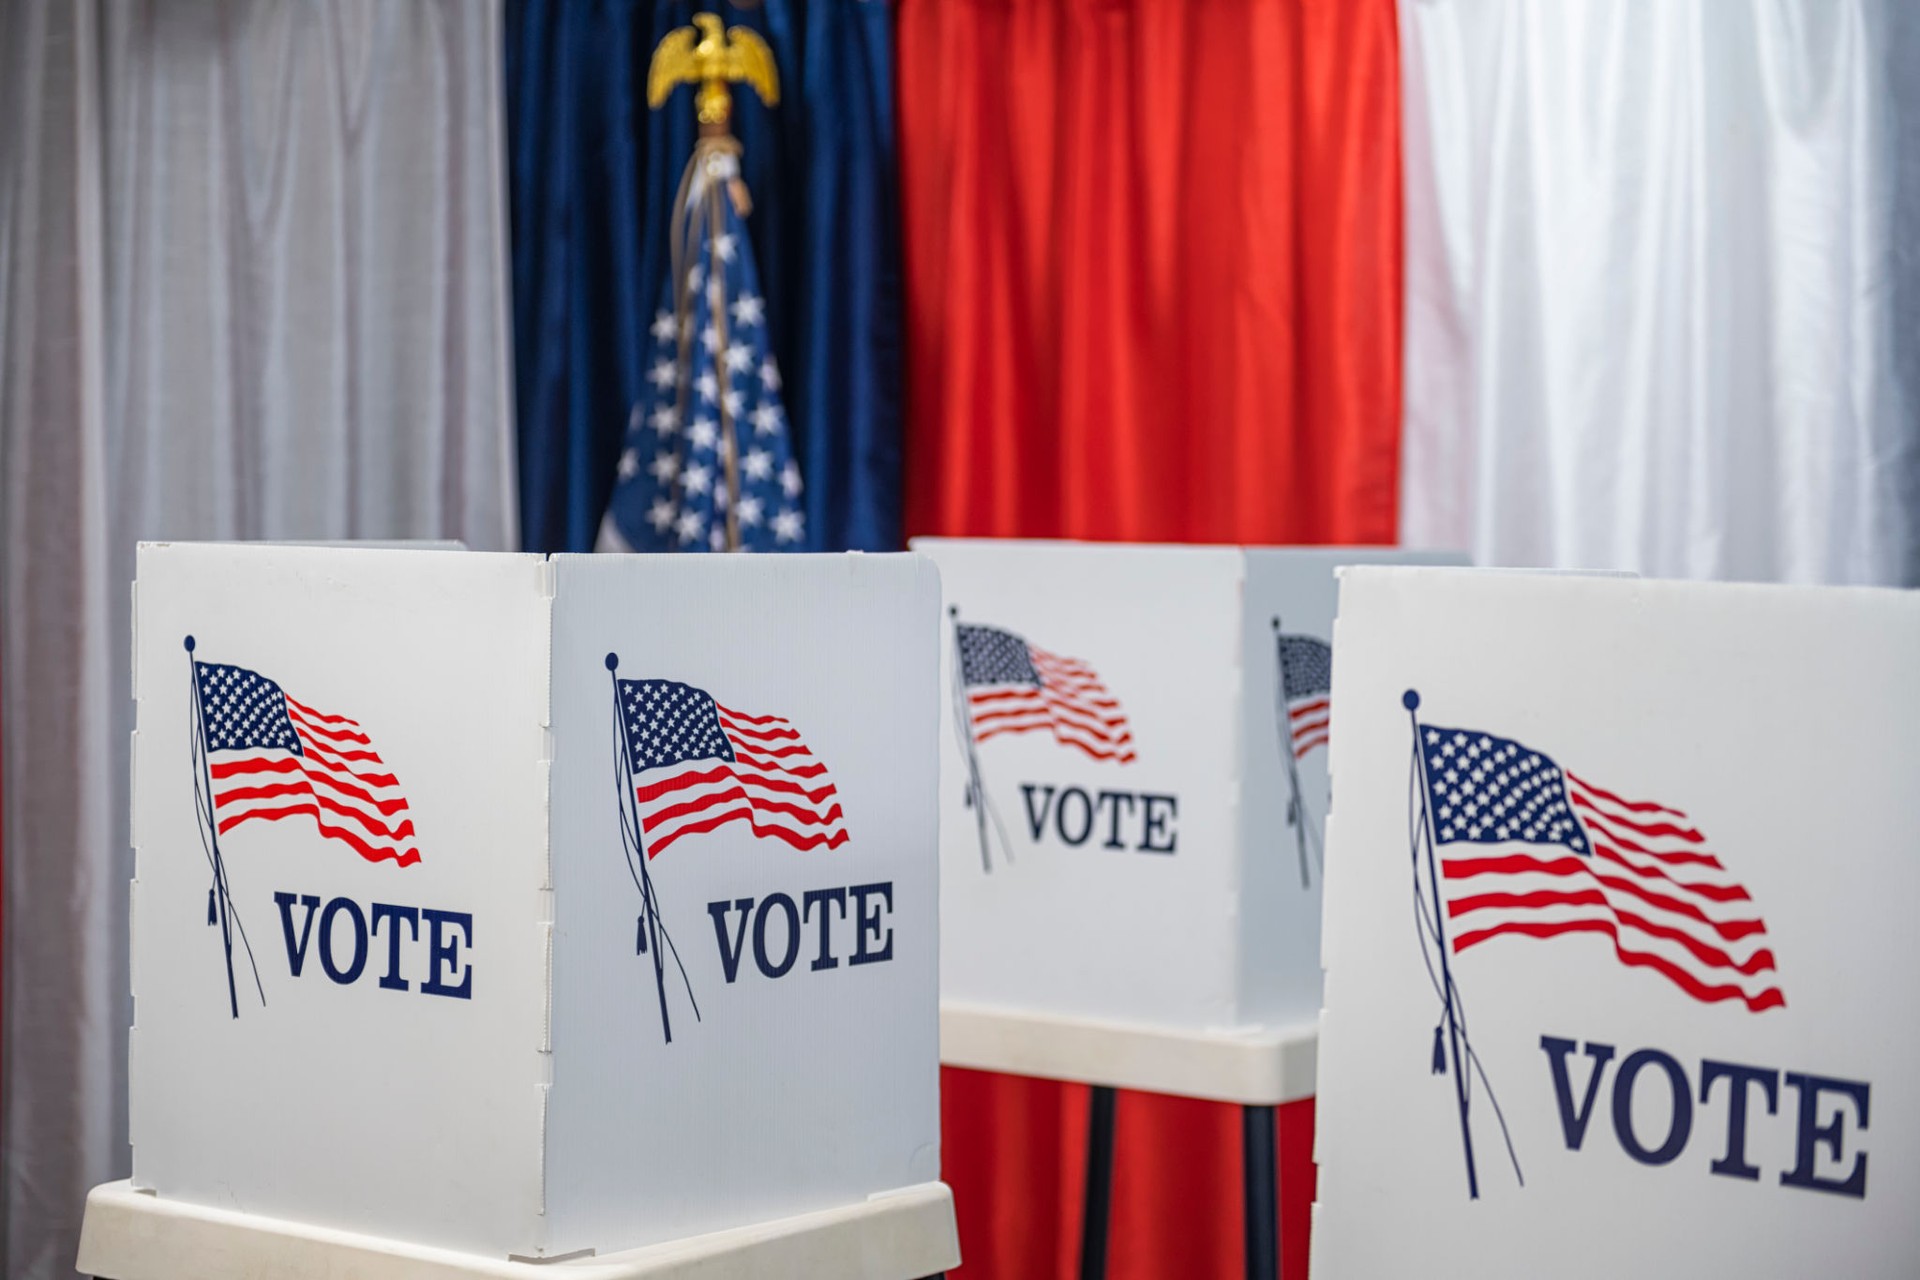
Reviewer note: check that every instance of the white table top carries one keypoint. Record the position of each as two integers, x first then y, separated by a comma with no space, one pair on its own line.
1259,1066
135,1235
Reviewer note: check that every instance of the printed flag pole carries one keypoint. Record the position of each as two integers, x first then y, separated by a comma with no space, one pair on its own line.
963,725
649,932
1411,700
647,925
1296,808
220,908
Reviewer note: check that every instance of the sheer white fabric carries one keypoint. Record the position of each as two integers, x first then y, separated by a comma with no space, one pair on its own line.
1661,286
253,284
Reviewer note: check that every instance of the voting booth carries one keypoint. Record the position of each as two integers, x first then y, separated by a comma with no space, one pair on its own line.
504,908
1133,793
1132,799
1618,930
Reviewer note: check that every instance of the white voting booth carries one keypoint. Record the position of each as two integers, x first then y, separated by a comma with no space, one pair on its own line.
494,909
1132,791
1137,901
1618,935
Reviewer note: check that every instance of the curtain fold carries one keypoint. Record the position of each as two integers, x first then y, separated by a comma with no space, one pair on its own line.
1154,268
252,285
594,173
1661,288
1153,293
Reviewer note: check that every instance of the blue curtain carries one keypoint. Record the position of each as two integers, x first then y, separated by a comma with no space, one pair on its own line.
593,175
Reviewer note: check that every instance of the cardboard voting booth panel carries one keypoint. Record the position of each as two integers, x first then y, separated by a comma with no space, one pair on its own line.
526,906
1618,930
1131,801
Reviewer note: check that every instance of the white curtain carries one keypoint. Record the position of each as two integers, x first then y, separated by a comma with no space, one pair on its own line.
1661,285
253,265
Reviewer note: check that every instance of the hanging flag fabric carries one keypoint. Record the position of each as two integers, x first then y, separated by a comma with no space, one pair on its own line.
593,176
713,425
707,464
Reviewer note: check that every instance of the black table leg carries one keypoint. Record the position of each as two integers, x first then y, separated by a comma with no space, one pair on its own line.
1093,1226
1262,1185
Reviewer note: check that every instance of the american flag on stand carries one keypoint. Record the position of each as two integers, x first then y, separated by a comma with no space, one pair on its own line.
698,765
270,757
1530,850
1016,687
1306,684
713,392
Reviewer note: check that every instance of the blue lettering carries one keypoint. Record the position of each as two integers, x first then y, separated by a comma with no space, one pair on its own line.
1573,1121
1679,1128
296,954
393,915
1037,821
869,922
1832,1135
1085,822
1073,814
1113,840
443,953
820,898
1816,1142
352,971
760,935
1734,1163
1156,822
730,956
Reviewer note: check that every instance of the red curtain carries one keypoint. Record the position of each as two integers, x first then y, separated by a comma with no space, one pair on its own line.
1153,287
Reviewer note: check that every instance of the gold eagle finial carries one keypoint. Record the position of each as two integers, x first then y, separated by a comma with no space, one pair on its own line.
709,55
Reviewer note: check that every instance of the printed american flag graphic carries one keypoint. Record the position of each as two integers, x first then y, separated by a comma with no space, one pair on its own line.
270,757
1016,687
698,765
1531,850
1306,684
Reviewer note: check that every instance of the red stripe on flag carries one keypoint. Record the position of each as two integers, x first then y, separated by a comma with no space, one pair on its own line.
233,768
1676,857
742,809
1711,892
321,716
304,725
1651,829
388,807
234,795
813,770
371,852
1634,806
741,715
1710,993
762,735
806,816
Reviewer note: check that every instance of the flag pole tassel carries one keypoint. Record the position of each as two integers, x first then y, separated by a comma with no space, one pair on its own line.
1411,701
